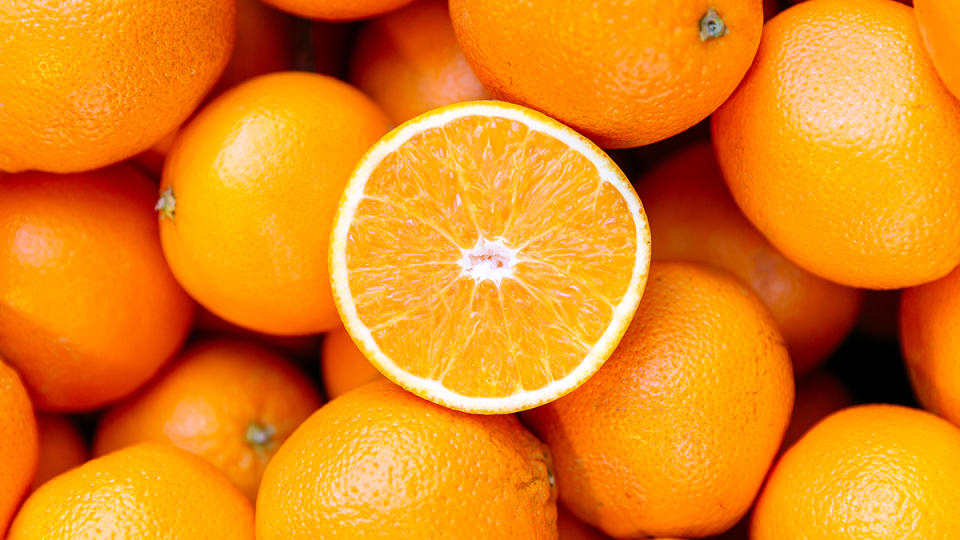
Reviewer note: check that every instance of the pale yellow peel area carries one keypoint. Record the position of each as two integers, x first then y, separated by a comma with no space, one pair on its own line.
487,178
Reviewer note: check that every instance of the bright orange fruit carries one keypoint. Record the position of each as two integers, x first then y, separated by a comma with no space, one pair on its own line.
624,73
145,491
379,461
939,20
249,193
230,402
343,366
487,257
842,145
675,433
87,83
693,218
872,472
18,444
338,10
88,308
62,447
409,62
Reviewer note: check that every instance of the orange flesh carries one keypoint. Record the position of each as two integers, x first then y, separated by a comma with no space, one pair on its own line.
489,200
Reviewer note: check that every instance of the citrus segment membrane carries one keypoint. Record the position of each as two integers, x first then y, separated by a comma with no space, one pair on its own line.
488,258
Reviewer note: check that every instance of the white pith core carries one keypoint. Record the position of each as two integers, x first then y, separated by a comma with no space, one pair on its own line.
488,260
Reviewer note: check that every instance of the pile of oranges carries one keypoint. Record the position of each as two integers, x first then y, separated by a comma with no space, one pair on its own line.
512,269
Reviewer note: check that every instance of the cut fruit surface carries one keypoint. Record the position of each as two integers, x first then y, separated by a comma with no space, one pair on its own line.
487,257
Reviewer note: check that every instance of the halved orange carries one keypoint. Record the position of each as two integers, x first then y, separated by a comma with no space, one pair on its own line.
488,258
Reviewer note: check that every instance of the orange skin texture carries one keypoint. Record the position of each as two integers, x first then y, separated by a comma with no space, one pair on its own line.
343,366
843,146
338,10
624,73
571,528
939,20
409,62
872,472
18,444
818,396
380,462
145,491
257,177
62,447
88,308
209,325
674,434
693,218
88,83
206,403
929,318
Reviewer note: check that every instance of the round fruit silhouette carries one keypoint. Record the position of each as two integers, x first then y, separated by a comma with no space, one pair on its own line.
842,145
230,402
88,83
379,460
338,10
623,73
88,308
870,472
249,193
674,434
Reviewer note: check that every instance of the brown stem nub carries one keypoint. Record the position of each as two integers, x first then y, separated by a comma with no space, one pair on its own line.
167,205
259,435
712,25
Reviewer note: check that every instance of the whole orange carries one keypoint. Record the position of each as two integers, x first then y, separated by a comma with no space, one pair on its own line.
230,402
693,218
145,491
87,83
843,146
338,10
88,308
343,366
871,472
409,62
379,462
674,434
623,72
939,20
818,395
929,318
249,193
62,447
18,444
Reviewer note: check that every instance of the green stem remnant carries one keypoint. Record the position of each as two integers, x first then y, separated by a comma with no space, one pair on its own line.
259,435
712,25
167,205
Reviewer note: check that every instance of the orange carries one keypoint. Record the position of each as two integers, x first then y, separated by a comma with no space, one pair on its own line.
939,20
88,83
487,257
843,146
673,436
929,318
693,218
300,347
88,309
338,10
18,444
871,472
623,73
146,491
571,528
409,62
380,462
343,366
818,395
230,402
249,193
62,447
